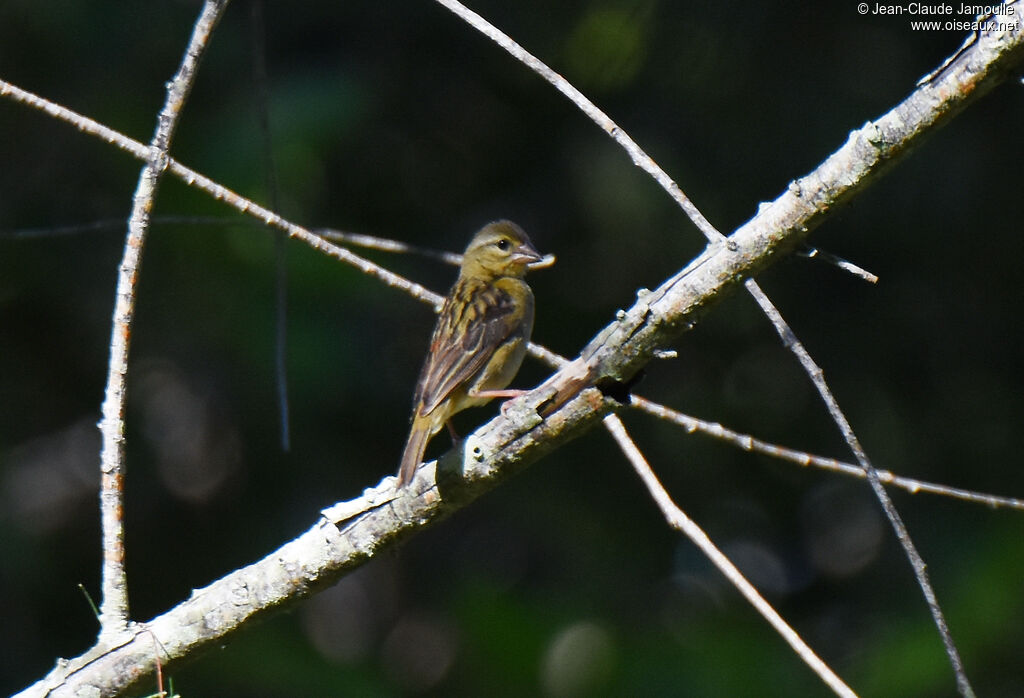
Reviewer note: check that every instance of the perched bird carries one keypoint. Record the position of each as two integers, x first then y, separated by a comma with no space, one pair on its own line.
480,337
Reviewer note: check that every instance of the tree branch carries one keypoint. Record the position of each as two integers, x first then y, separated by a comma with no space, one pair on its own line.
114,605
678,520
747,442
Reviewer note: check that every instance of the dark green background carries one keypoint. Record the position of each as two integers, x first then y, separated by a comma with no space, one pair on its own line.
395,119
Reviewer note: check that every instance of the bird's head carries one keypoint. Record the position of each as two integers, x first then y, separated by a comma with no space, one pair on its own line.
499,249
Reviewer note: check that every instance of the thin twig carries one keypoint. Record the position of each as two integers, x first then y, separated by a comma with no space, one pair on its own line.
837,261
114,605
221,193
603,121
747,442
373,242
82,123
790,340
750,443
678,520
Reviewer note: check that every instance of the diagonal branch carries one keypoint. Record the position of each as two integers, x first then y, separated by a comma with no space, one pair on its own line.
891,513
593,112
678,520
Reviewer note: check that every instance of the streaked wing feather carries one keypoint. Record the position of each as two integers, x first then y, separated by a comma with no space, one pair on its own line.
451,364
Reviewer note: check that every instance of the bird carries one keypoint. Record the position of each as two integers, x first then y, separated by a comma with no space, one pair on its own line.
480,337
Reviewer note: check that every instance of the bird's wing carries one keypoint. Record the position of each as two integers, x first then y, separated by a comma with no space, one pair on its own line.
473,324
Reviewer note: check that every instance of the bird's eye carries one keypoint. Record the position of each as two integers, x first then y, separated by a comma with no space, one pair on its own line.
504,245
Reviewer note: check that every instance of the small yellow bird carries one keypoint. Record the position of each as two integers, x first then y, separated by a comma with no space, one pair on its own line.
480,338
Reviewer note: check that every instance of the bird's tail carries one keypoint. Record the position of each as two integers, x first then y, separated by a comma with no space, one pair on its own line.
413,454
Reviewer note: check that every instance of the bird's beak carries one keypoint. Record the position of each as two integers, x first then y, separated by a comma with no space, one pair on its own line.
525,254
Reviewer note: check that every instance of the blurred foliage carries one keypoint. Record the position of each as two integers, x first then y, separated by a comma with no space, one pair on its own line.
394,119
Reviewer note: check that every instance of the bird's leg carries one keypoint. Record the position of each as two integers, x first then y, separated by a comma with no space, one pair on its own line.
451,432
509,393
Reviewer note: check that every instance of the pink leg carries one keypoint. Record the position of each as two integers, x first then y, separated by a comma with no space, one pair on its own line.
508,393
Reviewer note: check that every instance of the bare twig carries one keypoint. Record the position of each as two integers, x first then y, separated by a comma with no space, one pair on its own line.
836,261
749,443
603,121
114,605
200,181
373,242
917,563
678,520
82,123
